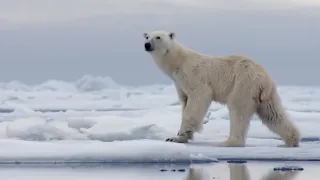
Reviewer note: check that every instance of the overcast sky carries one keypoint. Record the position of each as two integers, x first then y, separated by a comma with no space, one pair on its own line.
40,11
65,39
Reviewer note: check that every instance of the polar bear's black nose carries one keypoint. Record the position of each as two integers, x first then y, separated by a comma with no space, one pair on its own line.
147,46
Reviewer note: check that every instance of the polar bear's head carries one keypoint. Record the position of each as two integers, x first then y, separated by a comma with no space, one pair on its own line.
158,42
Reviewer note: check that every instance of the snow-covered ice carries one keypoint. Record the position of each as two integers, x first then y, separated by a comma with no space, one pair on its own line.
142,151
95,119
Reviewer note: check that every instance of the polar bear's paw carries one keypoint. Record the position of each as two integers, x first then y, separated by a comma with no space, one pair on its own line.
182,137
231,143
178,139
282,146
287,146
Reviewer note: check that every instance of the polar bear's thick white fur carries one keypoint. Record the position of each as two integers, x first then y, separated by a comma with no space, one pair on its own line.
237,81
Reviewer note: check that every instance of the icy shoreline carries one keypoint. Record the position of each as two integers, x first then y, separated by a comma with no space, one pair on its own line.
96,120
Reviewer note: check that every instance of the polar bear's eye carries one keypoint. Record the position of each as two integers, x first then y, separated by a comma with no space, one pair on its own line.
157,37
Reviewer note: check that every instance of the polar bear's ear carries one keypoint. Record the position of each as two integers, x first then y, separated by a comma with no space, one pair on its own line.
145,35
172,35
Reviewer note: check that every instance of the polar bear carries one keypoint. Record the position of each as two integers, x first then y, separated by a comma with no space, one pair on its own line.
234,80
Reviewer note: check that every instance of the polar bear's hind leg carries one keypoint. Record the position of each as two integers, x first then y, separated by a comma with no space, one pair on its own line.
273,115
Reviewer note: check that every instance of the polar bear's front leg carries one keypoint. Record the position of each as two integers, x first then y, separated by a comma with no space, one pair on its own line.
183,98
197,106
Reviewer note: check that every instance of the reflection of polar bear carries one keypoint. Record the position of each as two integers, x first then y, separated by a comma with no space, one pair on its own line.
236,172
233,80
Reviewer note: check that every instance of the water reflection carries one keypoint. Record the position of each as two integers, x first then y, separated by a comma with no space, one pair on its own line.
237,172
216,171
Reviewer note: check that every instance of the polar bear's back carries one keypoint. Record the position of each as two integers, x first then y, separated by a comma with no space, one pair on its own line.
225,74
250,77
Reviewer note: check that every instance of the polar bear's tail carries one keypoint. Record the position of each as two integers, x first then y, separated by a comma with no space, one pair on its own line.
274,116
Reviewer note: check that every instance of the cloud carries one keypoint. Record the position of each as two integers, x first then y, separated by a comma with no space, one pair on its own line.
41,11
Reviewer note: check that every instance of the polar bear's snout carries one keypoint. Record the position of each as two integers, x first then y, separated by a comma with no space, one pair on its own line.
148,46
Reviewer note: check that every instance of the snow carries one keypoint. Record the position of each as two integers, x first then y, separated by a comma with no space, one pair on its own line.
95,119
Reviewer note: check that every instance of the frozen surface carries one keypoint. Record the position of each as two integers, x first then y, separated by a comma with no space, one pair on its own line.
142,151
96,120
